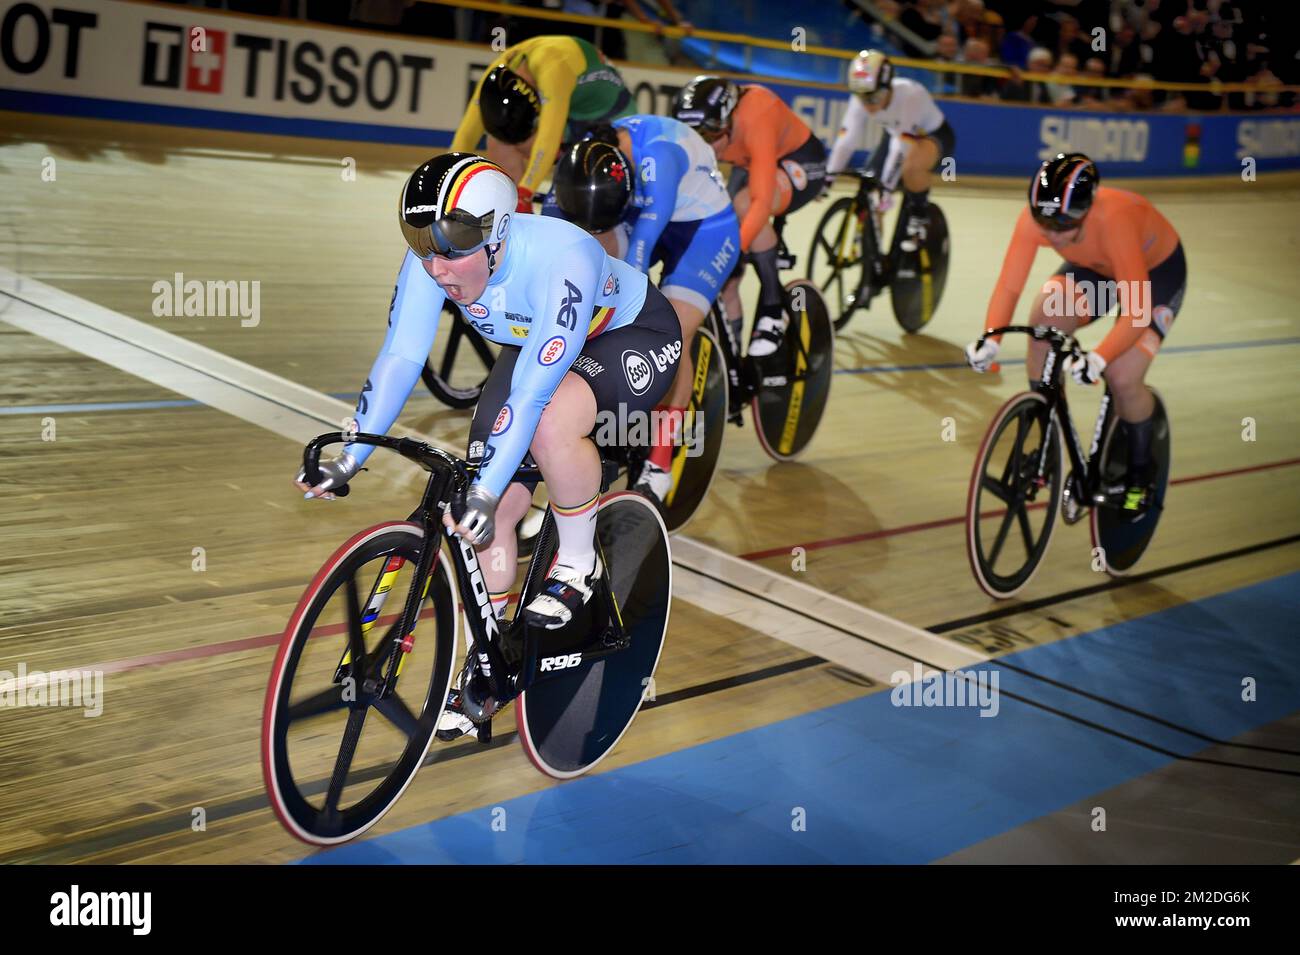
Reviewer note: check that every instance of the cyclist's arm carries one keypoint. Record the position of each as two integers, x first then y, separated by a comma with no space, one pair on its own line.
571,279
1015,270
556,81
471,128
1125,253
762,181
659,184
892,168
412,325
846,143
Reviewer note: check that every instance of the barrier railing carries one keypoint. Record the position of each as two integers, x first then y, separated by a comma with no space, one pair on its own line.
1210,88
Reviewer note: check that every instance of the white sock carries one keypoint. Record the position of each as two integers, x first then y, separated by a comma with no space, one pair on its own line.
576,527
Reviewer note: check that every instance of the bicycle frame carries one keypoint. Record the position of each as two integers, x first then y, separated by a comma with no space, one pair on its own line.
1052,388
510,658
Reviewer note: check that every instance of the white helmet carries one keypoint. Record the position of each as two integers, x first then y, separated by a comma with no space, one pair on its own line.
456,204
870,72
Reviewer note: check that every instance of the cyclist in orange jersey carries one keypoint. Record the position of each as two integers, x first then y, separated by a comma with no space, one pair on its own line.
778,165
1120,253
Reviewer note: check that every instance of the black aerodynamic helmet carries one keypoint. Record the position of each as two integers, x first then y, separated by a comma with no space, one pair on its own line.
593,184
510,106
1062,190
706,103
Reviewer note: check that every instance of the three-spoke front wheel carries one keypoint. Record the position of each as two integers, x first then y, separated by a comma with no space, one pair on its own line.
1015,490
337,752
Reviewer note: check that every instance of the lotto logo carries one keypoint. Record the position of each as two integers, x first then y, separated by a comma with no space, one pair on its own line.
552,351
638,372
477,310
504,417
665,357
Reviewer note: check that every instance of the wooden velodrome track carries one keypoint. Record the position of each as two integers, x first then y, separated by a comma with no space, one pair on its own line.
99,525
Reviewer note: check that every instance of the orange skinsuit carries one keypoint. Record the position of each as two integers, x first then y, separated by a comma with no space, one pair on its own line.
1123,237
763,130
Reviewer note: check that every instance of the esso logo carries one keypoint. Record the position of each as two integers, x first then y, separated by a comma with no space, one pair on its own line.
798,175
609,284
477,310
552,351
504,417
638,371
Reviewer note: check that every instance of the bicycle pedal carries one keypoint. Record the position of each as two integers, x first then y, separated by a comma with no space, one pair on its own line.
484,732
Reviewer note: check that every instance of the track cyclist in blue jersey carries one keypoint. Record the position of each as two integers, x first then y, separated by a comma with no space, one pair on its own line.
649,188
581,332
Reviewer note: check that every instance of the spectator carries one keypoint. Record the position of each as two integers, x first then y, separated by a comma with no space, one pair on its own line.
945,51
1094,96
1068,40
1263,100
1123,55
923,19
1025,88
1016,45
976,53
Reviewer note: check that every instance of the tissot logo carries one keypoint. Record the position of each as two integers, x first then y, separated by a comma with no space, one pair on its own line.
305,71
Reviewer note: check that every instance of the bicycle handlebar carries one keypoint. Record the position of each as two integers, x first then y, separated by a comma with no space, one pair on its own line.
419,452
1059,340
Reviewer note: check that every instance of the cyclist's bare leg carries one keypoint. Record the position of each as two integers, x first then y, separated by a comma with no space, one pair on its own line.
666,432
762,253
497,559
1050,308
1126,376
513,159
571,466
918,162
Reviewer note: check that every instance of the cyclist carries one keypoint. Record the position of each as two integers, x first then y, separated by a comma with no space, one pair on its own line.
1119,252
778,167
649,188
536,95
918,138
581,333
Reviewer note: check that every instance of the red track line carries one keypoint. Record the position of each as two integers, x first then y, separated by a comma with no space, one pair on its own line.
948,521
250,643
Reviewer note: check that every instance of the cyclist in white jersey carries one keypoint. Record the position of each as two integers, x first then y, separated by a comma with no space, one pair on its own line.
918,136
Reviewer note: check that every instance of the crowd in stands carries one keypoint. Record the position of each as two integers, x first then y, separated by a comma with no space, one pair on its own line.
1077,41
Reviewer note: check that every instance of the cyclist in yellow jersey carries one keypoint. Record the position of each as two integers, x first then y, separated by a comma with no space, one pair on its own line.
536,96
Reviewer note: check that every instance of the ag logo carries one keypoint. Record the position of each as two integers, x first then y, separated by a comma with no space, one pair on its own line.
477,310
638,371
504,417
796,172
552,351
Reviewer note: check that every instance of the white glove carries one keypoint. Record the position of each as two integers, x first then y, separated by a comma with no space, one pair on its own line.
884,201
1087,368
980,357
